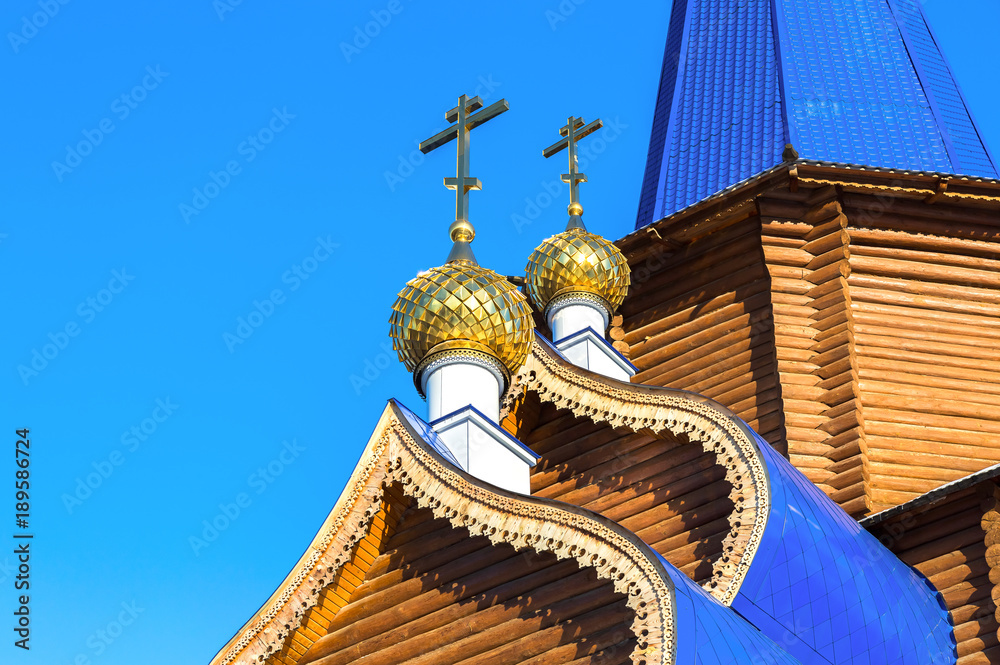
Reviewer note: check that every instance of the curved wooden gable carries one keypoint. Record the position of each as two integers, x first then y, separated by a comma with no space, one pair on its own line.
332,587
624,450
672,494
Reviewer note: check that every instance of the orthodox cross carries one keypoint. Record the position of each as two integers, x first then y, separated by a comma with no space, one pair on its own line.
573,131
465,119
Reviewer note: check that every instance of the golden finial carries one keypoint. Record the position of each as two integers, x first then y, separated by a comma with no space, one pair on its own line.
574,130
466,119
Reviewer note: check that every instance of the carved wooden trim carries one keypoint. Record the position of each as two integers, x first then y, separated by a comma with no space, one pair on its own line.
650,408
915,192
394,455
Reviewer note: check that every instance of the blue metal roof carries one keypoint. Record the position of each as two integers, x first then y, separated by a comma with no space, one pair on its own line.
427,433
829,592
850,81
709,633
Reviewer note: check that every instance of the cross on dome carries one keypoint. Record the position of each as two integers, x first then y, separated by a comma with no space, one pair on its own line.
466,116
573,130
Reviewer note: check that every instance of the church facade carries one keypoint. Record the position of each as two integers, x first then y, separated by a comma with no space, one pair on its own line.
761,428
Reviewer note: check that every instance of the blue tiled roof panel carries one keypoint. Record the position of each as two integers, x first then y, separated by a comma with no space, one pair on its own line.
829,592
726,117
668,78
709,633
427,433
970,153
850,81
852,90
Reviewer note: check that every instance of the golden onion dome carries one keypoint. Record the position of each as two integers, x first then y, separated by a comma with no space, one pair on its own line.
461,305
574,262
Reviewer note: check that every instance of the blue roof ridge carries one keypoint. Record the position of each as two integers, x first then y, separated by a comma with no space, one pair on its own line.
972,118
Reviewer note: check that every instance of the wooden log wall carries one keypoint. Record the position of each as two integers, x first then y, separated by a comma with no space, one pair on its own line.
805,248
701,321
947,542
318,618
671,494
437,596
925,292
856,327
991,526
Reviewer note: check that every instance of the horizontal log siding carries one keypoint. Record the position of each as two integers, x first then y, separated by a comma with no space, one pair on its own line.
672,495
436,596
700,319
947,542
926,312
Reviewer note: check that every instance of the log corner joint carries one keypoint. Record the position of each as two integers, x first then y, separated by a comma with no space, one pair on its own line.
940,188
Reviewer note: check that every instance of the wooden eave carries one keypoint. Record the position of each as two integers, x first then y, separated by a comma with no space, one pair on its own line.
737,202
932,497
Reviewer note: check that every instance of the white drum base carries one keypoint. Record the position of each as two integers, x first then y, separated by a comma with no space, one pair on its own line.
486,451
576,316
578,327
455,383
585,349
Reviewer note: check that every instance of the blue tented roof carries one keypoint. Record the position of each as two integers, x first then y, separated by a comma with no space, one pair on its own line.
850,81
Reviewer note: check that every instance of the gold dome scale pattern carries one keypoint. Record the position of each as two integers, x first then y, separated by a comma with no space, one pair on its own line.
461,305
577,261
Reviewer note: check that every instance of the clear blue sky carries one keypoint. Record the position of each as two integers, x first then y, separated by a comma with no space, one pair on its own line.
136,295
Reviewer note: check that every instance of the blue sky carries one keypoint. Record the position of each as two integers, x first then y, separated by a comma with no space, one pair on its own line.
239,163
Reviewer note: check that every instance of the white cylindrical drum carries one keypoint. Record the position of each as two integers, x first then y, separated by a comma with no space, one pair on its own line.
454,382
575,314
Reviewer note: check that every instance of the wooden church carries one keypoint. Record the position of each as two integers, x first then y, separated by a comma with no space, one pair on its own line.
762,428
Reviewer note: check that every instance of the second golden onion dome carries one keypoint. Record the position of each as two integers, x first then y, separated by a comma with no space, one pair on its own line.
461,305
577,261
